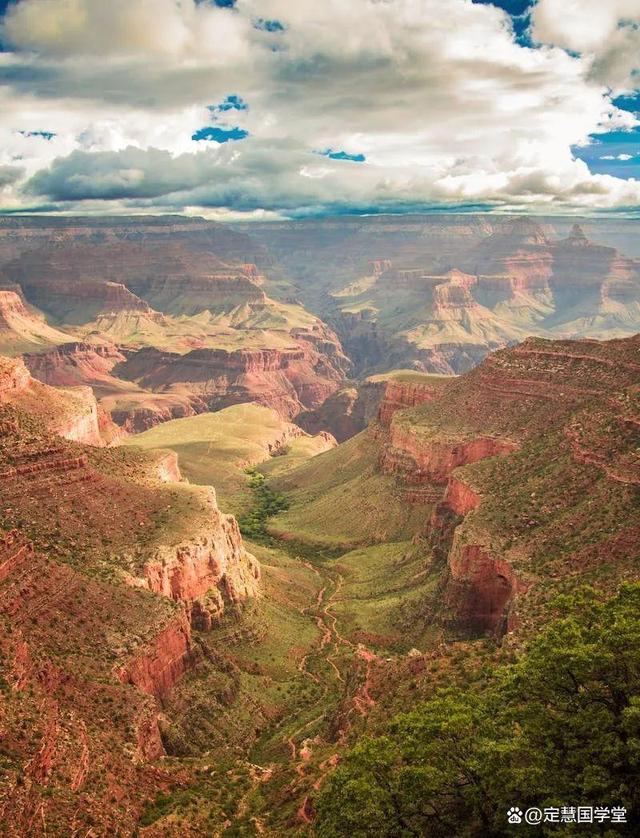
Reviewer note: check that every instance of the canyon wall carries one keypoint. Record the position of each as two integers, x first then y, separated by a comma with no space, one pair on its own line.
157,668
72,413
287,380
210,570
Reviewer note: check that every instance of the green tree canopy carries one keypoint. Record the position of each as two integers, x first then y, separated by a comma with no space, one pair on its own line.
559,728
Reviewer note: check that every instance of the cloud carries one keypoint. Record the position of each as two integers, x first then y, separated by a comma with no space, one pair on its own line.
607,32
10,175
290,180
623,157
111,176
435,95
158,28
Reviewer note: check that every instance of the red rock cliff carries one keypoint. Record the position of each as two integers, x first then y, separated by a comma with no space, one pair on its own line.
287,380
157,668
71,413
480,588
400,395
208,571
431,460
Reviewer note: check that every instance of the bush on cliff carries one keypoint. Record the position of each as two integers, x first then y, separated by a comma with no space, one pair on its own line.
559,728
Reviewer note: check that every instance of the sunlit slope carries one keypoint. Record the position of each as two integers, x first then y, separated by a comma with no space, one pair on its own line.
216,448
340,498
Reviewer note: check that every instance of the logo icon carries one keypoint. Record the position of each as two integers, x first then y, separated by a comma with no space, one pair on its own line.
514,815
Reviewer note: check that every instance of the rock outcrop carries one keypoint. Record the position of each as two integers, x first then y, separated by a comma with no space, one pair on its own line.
400,395
205,572
443,292
156,669
287,380
21,330
461,498
431,461
72,413
77,363
480,589
89,660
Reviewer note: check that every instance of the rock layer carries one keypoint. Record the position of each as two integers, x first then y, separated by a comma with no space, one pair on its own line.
72,413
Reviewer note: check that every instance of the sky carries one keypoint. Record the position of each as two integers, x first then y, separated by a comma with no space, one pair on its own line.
260,109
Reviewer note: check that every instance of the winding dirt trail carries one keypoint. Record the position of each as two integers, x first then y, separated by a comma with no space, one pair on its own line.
330,645
326,665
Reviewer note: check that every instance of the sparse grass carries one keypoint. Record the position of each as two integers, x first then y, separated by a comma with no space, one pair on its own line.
412,377
379,582
341,499
215,448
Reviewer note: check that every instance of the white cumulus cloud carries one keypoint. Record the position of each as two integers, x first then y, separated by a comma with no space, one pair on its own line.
437,95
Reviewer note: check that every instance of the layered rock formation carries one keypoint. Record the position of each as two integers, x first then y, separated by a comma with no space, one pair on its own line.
20,329
404,391
444,291
158,667
287,380
592,386
76,363
88,658
523,470
205,572
73,413
194,293
351,409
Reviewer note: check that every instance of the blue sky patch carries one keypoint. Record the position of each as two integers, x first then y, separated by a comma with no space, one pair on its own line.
628,103
44,135
514,7
219,135
342,155
269,25
520,11
616,153
231,103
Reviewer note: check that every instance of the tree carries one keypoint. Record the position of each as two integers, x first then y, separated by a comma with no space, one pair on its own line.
559,728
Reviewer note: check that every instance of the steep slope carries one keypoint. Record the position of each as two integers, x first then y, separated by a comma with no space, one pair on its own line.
518,450
351,409
445,291
299,375
128,408
515,282
104,568
181,290
20,329
71,412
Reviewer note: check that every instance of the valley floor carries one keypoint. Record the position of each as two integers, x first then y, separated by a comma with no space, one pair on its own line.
304,657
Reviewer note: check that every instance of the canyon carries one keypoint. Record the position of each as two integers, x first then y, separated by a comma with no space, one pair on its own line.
444,446
164,318
438,293
297,316
264,486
